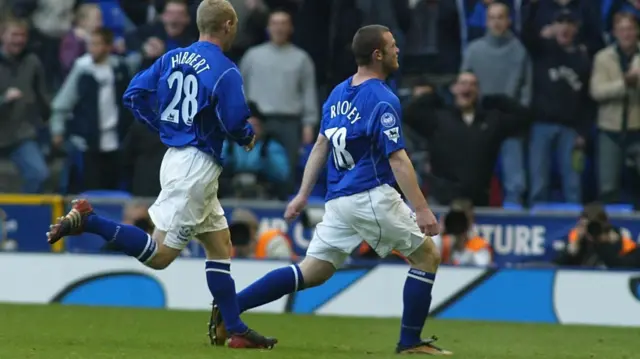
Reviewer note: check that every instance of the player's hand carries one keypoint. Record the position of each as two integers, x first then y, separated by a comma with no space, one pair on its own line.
12,94
427,222
251,145
295,207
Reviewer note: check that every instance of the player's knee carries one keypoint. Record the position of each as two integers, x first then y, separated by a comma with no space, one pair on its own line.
165,255
217,245
315,272
426,257
163,258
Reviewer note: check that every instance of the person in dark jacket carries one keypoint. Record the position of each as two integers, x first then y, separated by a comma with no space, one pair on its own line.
543,12
464,140
151,41
563,110
88,112
24,100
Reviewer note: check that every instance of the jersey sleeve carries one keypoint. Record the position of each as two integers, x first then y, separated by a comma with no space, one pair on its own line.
140,96
232,108
385,128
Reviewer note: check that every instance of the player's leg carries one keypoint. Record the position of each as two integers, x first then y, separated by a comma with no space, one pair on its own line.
424,259
215,238
394,227
311,272
330,246
129,239
176,211
332,242
271,287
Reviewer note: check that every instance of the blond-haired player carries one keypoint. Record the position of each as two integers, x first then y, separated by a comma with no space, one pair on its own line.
193,98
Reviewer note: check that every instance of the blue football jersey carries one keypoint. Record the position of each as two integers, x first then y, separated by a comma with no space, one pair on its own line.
362,124
192,96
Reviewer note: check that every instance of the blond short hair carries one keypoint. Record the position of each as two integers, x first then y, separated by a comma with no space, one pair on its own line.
84,10
213,15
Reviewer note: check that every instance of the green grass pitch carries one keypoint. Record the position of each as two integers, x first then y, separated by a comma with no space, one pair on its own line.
66,332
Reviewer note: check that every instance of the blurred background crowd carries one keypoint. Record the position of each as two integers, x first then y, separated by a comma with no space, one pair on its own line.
507,103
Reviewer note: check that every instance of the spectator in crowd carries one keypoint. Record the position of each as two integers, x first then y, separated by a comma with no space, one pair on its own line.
23,103
475,14
142,12
464,139
595,242
114,19
51,20
280,78
142,153
615,85
458,243
151,41
267,162
88,110
562,107
74,44
612,7
248,243
252,20
542,13
502,65
434,40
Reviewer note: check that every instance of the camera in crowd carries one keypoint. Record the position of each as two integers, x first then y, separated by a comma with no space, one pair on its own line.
596,221
456,222
459,218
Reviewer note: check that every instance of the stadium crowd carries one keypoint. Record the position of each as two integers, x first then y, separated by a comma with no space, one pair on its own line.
507,103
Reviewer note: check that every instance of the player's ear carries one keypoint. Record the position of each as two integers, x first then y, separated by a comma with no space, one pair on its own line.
377,54
227,26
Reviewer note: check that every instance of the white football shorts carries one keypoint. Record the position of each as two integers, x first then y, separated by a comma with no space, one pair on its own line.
378,216
188,203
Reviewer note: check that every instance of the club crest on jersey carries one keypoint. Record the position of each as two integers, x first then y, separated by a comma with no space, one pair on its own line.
393,134
387,119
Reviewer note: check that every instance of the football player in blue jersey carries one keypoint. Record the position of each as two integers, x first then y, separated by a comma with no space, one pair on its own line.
193,97
361,134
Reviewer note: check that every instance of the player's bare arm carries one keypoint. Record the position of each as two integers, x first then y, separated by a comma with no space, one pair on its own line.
405,175
315,164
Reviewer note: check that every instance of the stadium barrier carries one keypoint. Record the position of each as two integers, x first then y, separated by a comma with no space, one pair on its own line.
516,236
515,295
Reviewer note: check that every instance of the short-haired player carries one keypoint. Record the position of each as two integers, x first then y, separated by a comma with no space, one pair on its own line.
361,134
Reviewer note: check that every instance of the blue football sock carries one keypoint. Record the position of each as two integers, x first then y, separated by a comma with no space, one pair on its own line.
223,290
417,300
272,286
131,240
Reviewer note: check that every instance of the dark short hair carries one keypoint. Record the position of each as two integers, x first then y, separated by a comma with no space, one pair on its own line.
621,16
367,40
177,2
595,211
106,35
